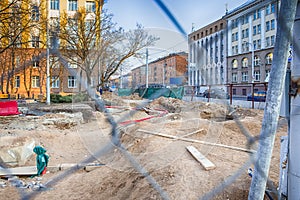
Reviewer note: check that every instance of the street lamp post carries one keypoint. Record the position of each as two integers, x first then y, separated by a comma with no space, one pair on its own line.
164,68
252,71
48,64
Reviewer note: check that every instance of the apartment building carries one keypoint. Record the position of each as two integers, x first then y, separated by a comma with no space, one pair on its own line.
167,71
251,31
24,59
207,55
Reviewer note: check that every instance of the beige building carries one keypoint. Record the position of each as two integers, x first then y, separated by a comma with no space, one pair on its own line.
166,71
251,31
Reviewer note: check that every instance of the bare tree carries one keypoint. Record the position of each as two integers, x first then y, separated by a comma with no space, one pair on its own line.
99,52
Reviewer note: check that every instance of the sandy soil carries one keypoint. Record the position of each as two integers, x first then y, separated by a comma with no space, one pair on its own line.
145,166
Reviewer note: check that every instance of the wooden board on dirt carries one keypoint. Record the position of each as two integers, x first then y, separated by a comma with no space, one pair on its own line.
21,171
207,164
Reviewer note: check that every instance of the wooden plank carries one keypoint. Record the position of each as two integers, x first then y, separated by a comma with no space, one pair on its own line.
189,134
207,164
197,141
18,171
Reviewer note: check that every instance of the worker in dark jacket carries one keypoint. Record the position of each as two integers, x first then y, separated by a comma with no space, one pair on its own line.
41,160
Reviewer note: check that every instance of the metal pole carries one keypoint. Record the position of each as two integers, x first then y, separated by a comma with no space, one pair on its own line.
274,94
294,136
147,68
121,77
163,82
48,64
252,62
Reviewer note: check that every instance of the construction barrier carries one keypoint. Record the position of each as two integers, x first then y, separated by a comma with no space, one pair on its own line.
153,93
125,92
9,108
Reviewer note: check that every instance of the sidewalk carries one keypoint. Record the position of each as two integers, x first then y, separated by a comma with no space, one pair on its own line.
241,103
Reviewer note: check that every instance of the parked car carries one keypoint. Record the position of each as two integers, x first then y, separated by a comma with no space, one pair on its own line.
215,93
258,96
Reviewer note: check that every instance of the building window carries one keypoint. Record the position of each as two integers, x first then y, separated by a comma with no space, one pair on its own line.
256,61
233,91
268,9
254,45
258,44
242,20
272,40
244,47
17,81
246,19
254,30
268,27
273,7
35,15
234,64
273,24
245,62
35,81
35,41
35,62
268,41
244,76
234,77
258,29
73,5
258,14
90,6
54,4
256,75
245,33
72,82
244,92
269,58
55,82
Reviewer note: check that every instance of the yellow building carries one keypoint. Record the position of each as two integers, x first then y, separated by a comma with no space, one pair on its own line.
24,29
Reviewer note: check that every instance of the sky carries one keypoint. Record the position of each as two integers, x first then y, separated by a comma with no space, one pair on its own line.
189,13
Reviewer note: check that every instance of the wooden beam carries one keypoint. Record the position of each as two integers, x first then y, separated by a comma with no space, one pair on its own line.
197,141
207,164
18,171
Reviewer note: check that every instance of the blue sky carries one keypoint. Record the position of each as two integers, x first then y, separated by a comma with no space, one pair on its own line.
200,12
197,13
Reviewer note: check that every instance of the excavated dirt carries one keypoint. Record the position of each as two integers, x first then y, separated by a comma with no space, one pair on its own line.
145,165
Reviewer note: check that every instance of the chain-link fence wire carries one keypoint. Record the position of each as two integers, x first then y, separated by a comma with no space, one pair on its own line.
212,136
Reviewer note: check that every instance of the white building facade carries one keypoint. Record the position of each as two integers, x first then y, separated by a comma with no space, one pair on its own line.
237,49
207,56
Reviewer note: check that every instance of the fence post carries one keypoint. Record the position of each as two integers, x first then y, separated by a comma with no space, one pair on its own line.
275,87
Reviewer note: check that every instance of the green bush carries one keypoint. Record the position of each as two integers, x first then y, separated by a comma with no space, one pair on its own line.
54,98
80,97
57,98
65,99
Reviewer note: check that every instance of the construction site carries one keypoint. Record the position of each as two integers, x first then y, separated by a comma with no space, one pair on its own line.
165,148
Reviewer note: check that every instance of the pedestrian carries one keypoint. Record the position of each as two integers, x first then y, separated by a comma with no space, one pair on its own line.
41,160
100,90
